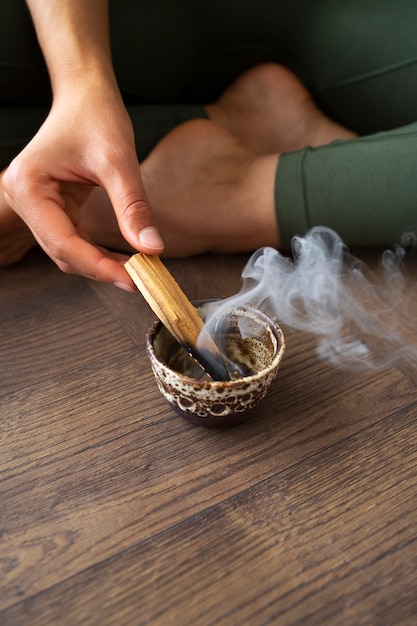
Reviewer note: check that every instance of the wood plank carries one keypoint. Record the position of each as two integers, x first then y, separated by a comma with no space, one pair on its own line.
53,325
321,542
115,510
105,464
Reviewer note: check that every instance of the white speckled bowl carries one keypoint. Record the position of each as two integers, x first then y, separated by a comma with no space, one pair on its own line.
217,404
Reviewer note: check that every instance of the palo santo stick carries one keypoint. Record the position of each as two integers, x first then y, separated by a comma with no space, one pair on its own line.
179,316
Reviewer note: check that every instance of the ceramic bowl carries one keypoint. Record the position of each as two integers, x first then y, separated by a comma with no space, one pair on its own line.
217,404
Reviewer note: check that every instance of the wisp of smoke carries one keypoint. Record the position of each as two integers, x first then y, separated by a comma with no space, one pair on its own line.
326,291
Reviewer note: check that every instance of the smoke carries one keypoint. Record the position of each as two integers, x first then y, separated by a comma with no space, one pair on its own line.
361,320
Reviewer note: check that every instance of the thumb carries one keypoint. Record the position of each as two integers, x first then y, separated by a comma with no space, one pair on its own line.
134,214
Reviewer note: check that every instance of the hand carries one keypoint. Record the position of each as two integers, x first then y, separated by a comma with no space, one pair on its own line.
86,140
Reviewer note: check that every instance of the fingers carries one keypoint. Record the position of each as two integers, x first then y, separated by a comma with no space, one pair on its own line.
133,212
46,186
52,211
59,238
75,255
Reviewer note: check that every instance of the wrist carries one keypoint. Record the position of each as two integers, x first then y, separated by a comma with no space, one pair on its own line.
92,78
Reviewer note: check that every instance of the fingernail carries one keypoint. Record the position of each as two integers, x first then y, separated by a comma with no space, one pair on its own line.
124,286
151,238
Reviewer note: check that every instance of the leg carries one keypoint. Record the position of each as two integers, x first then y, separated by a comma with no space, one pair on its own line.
220,197
201,169
359,60
287,190
364,189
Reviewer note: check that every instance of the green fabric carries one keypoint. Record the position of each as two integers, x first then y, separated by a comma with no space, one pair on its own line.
365,189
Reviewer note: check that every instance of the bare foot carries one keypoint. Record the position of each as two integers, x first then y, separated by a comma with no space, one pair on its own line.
15,237
209,192
98,221
269,110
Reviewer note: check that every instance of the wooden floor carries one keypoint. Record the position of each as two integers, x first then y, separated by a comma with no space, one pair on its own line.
115,511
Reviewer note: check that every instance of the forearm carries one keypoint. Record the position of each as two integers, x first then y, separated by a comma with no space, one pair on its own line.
87,139
74,37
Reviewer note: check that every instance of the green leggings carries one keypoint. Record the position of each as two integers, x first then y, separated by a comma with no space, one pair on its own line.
171,57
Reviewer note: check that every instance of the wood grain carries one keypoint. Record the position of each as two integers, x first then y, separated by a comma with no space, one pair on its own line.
114,510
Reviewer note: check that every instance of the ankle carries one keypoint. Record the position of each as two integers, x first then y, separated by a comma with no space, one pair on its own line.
250,219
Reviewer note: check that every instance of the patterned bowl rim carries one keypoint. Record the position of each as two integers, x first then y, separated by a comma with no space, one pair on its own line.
213,384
